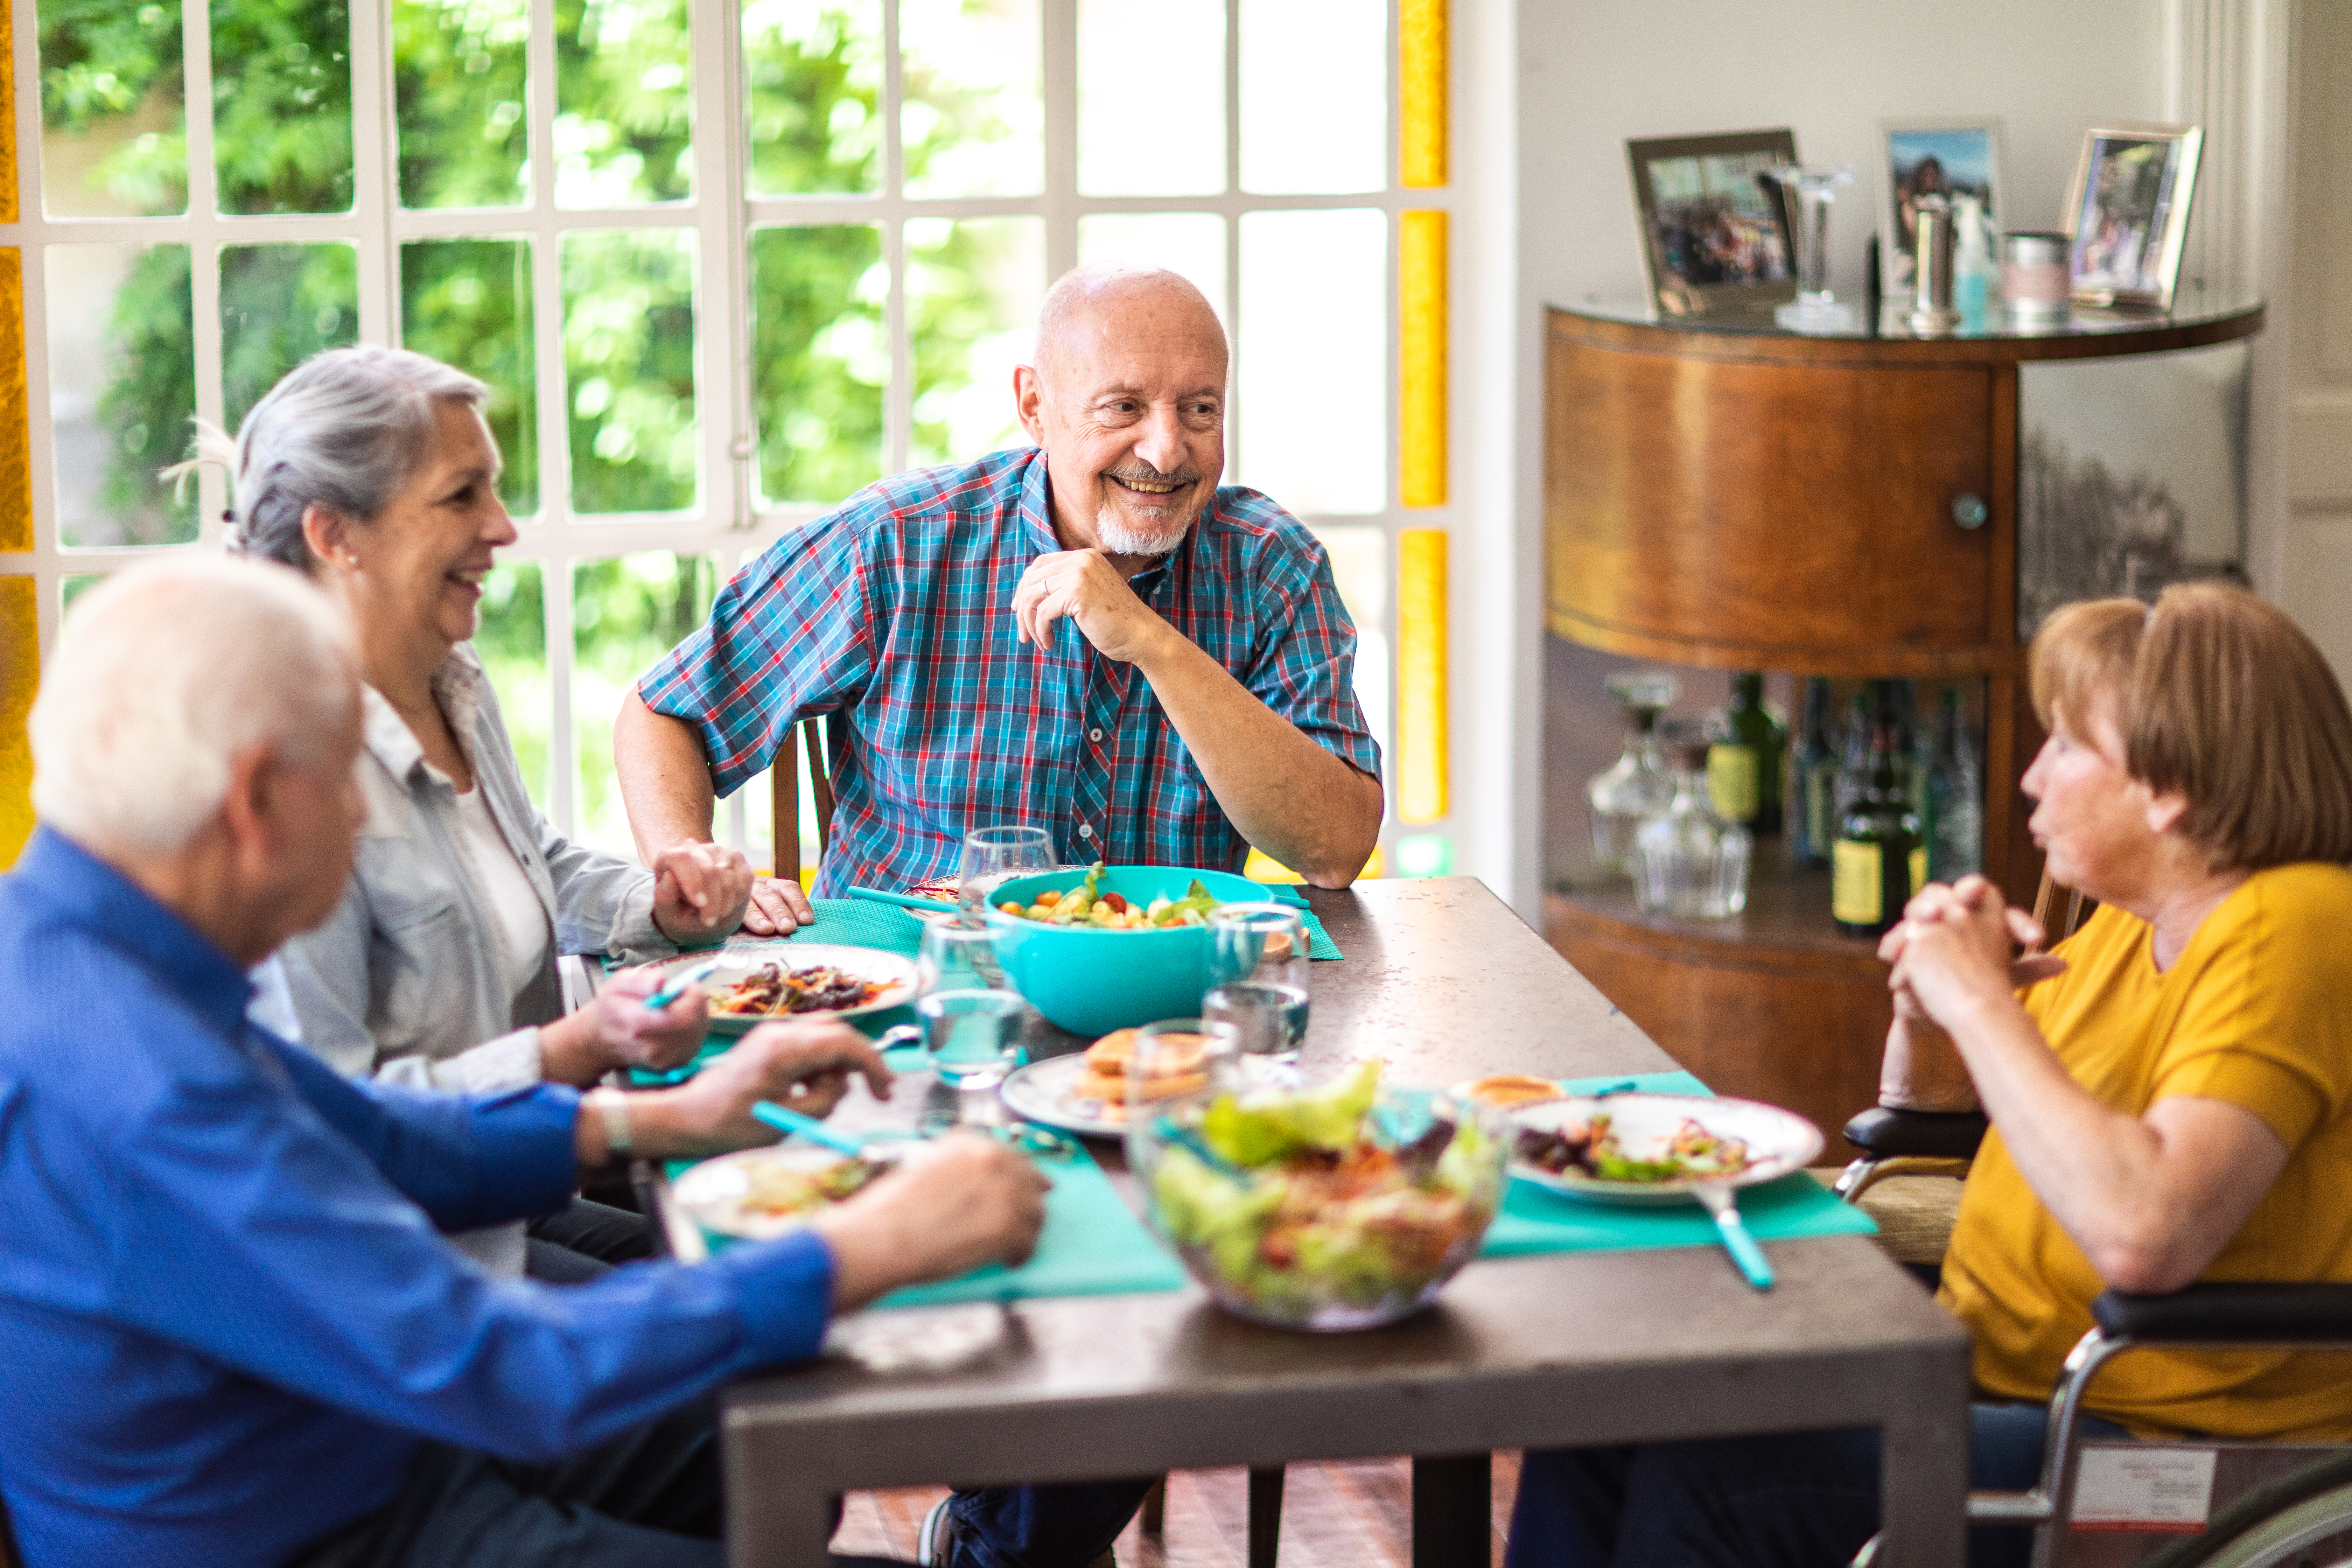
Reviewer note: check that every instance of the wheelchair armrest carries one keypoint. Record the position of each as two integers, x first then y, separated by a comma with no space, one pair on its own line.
2230,1314
1926,1134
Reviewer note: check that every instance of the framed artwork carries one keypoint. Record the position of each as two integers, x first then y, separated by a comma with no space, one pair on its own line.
1714,235
2127,212
1950,158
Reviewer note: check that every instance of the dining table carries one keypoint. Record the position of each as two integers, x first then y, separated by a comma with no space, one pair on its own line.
1442,982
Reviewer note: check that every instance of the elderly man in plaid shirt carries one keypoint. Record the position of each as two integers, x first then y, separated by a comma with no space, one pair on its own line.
1089,635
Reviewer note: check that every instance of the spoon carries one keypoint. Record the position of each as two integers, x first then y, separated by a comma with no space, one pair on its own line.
787,1120
1719,1201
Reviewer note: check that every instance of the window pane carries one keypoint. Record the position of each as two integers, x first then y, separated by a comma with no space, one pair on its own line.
812,96
513,642
628,365
624,103
820,357
972,291
1315,359
457,74
122,390
1167,139
972,123
1193,244
74,587
468,302
626,613
1325,128
1360,565
279,304
282,105
114,140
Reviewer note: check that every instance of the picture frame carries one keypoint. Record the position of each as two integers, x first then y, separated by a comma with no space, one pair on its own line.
1714,228
2127,212
1952,156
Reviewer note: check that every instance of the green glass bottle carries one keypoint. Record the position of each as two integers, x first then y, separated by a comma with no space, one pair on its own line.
1878,861
1743,769
1812,781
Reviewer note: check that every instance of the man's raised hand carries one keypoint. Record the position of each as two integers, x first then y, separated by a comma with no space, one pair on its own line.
1084,586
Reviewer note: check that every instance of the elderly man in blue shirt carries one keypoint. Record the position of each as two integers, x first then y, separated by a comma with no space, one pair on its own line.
234,1333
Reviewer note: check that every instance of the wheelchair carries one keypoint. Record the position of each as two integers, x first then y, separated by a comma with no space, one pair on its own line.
2291,1518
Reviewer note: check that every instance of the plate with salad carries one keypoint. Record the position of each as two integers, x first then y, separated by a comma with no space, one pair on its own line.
1640,1149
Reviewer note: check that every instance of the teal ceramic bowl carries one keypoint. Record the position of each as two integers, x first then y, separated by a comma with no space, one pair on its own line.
1092,981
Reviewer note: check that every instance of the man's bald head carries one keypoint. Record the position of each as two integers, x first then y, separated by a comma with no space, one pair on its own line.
1127,398
1110,301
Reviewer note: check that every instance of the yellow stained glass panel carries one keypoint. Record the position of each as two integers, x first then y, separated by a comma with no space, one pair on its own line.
1421,358
1421,712
1421,93
20,675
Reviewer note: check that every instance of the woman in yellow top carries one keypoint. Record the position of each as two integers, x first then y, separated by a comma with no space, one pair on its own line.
2173,1102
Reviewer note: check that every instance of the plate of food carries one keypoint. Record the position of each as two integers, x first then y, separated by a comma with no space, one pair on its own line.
756,1194
756,983
1087,1092
1640,1149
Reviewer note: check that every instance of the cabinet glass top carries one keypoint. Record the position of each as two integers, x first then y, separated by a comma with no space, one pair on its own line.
2193,305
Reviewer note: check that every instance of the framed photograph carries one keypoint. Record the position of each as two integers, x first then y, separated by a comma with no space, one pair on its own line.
2127,212
1916,158
1714,235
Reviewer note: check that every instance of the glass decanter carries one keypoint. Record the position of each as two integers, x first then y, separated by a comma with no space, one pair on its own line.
1687,861
1635,788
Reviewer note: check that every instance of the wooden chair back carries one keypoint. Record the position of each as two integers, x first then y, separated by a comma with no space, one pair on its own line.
785,786
2060,911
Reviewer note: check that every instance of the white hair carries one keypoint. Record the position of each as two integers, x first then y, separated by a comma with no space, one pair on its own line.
162,676
344,430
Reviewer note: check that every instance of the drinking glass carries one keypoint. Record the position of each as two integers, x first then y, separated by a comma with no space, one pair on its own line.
1257,973
1177,1058
994,855
957,957
972,1037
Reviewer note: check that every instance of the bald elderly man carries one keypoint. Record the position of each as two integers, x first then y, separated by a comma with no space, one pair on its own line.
1087,636
234,1333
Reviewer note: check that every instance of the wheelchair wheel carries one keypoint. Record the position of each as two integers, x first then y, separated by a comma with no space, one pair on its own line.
2275,1525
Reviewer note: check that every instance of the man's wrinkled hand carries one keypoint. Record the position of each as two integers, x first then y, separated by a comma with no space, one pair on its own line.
699,891
778,907
953,1206
1084,586
805,1064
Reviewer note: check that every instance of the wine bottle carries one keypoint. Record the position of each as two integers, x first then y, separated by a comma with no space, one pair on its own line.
1853,758
1879,861
1954,825
1812,781
1743,768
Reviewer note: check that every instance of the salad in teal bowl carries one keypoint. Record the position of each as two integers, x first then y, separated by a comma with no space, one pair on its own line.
1111,946
1347,1205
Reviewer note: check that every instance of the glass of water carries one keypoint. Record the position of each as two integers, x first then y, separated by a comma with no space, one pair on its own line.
994,855
1257,974
957,957
972,1037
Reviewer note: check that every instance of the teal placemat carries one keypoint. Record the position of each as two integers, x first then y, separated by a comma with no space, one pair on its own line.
1092,1245
1533,1220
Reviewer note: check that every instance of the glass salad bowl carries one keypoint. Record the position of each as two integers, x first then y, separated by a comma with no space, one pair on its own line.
1344,1206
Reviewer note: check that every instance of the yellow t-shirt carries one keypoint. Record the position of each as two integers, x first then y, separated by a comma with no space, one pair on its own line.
2257,1012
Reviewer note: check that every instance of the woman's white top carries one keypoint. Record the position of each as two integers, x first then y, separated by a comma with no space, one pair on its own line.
518,921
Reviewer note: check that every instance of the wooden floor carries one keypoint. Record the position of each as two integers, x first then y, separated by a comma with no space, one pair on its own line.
1357,1514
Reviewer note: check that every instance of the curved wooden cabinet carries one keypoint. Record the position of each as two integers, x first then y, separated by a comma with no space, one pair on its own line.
1752,499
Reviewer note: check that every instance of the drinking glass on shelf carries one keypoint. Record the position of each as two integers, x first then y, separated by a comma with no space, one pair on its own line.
994,855
1257,977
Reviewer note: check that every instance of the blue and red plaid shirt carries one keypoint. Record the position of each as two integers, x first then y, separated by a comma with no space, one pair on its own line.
895,612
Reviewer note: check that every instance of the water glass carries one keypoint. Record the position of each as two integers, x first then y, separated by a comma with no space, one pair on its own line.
972,1037
957,957
1257,975
994,855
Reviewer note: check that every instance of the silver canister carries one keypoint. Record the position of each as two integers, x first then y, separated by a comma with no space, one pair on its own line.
2033,283
1932,315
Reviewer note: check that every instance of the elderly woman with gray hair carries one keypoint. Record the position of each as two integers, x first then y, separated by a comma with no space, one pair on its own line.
369,470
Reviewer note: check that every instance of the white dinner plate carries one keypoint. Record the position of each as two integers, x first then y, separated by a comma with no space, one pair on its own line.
1040,1092
714,1191
896,973
1778,1141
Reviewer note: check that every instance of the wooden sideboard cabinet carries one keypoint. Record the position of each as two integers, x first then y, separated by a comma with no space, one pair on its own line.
1733,497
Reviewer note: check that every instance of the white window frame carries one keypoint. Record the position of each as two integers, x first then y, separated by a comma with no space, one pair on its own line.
727,522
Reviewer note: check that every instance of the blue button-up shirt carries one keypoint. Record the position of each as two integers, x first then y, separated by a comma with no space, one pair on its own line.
896,610
226,1314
